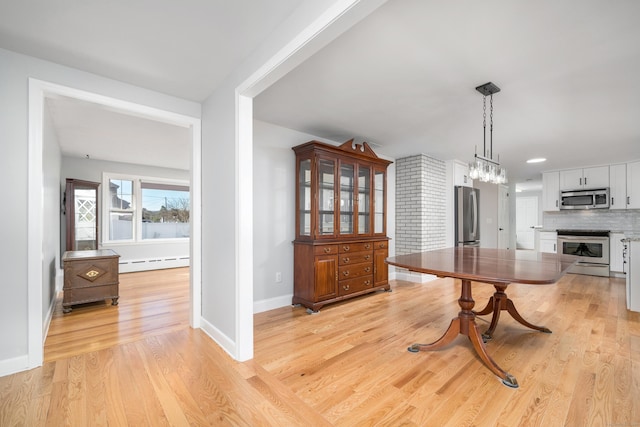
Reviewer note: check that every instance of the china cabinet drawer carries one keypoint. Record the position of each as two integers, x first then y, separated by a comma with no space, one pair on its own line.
381,245
346,259
355,285
355,247
357,270
325,250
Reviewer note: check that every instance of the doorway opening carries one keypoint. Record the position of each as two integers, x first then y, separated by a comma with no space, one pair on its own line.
39,313
526,222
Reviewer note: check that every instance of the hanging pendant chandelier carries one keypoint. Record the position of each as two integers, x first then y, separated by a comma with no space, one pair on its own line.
484,167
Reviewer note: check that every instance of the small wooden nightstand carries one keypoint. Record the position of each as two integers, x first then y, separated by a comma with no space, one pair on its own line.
90,276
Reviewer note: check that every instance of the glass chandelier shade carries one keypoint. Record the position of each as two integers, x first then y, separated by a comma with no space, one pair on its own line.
484,167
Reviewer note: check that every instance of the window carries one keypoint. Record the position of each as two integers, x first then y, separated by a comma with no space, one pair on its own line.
165,211
120,209
143,209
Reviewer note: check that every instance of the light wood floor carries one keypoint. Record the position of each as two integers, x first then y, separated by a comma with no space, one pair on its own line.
345,366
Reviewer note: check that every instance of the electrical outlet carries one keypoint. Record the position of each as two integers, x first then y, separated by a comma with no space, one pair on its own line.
278,277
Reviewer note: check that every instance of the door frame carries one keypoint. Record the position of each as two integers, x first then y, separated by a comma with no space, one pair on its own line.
38,91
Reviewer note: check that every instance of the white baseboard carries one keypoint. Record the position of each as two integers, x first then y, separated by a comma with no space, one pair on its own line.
220,338
272,303
410,276
48,317
16,364
130,266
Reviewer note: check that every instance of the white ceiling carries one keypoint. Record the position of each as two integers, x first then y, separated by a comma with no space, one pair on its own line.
181,48
403,78
98,132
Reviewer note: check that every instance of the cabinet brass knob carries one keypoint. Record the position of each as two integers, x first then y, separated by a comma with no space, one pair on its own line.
367,246
366,257
367,269
345,248
327,250
382,245
345,260
345,287
345,273
367,282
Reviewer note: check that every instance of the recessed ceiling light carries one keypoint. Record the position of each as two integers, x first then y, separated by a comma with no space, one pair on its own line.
537,160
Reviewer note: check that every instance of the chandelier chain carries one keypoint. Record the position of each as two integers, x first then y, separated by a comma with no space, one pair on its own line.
484,167
491,126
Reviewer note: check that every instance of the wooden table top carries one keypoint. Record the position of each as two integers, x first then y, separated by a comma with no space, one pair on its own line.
488,265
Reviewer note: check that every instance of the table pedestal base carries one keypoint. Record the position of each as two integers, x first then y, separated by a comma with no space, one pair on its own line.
465,324
498,302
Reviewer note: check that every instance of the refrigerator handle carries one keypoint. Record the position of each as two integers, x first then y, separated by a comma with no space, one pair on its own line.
474,210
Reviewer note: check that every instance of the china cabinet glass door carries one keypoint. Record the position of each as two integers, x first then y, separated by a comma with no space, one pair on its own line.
326,196
347,181
364,200
304,197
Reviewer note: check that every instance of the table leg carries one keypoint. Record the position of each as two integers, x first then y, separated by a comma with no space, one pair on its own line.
499,302
465,324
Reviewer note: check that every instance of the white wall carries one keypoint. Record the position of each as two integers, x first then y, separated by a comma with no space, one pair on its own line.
15,71
274,212
52,202
91,170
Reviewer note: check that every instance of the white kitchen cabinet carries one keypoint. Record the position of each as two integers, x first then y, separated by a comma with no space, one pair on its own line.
461,175
633,275
616,250
586,178
618,186
633,186
548,242
551,191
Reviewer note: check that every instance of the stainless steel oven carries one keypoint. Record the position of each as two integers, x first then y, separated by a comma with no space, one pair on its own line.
592,248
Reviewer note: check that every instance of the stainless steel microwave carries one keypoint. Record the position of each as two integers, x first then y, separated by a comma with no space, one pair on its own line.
585,199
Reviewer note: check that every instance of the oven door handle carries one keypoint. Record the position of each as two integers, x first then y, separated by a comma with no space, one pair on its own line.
585,238
590,264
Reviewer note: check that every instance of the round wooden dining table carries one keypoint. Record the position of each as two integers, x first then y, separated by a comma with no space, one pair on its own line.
498,267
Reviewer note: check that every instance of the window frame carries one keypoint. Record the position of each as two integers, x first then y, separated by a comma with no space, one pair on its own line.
136,207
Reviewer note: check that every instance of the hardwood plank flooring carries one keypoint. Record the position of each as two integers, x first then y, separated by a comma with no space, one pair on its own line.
140,363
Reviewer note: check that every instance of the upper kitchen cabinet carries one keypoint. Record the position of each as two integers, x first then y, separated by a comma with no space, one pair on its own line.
633,185
551,191
618,186
587,178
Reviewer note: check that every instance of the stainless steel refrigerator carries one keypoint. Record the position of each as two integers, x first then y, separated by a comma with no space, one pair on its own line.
467,220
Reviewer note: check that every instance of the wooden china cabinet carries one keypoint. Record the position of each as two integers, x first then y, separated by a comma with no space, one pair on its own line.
341,240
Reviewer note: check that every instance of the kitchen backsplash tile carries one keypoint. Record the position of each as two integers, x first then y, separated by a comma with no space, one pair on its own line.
627,221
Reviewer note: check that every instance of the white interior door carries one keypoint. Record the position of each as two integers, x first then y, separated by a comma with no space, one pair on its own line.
503,217
526,219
